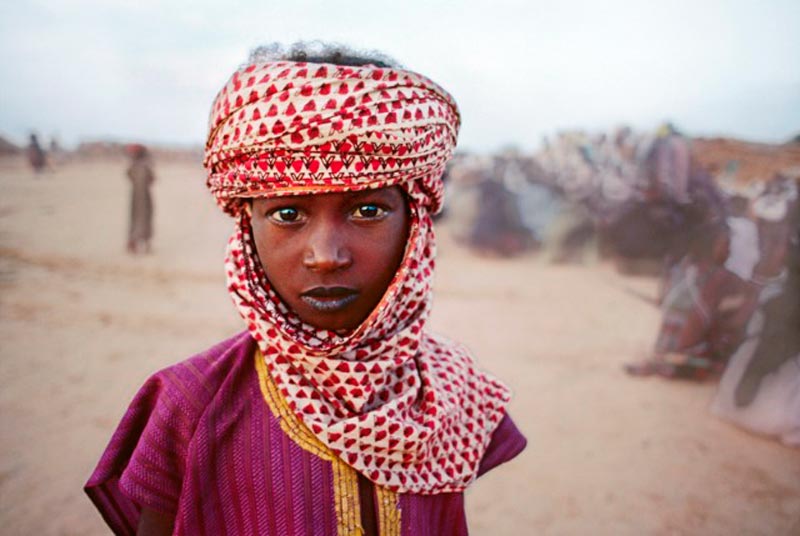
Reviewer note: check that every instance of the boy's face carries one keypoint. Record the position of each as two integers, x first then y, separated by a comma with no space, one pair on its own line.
331,257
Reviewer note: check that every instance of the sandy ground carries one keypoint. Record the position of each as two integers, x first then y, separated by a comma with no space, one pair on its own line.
82,325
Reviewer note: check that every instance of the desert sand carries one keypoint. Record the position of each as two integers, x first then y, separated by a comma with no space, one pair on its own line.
83,324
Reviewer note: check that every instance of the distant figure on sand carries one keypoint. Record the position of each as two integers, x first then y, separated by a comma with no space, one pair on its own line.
57,155
141,176
36,155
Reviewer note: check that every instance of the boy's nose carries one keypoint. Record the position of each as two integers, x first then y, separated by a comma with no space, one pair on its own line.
325,251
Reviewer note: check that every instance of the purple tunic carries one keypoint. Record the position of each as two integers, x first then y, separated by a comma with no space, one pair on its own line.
200,442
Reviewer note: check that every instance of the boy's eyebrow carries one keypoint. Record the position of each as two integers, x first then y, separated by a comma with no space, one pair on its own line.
362,193
369,192
348,196
283,199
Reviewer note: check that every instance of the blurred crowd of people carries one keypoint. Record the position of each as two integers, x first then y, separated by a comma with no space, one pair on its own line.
728,247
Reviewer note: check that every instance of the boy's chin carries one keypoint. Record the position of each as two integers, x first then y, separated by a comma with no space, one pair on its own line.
336,322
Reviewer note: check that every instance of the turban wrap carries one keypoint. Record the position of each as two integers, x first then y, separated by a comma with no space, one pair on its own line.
284,128
404,407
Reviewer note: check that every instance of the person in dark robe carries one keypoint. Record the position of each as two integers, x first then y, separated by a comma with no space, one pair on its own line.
140,173
36,156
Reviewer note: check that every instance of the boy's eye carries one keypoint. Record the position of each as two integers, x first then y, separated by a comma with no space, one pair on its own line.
285,215
368,211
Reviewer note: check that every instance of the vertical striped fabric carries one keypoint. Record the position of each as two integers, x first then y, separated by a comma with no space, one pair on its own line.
200,443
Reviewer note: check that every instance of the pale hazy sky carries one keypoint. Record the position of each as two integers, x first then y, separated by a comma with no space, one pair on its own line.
148,69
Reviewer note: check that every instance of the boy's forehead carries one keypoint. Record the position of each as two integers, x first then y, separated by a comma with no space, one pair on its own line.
389,191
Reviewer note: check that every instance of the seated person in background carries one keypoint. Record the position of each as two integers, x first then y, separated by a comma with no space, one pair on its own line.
699,304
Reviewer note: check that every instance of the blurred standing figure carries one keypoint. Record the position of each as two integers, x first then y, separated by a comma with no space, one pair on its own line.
760,389
673,176
141,176
667,166
56,155
498,230
36,155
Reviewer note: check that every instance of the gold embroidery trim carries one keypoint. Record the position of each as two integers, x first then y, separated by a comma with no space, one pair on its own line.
345,479
348,506
388,512
290,424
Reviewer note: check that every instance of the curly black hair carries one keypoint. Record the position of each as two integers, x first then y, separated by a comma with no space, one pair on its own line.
321,52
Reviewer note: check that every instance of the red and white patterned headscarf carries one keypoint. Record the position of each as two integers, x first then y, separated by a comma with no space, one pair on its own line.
404,407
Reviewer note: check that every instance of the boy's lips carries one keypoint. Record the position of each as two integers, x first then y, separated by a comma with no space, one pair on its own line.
329,299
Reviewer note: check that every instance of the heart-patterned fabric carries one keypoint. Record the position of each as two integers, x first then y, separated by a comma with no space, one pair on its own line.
406,408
